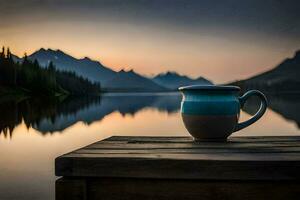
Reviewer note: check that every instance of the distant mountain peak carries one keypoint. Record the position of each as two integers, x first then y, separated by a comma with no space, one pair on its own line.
173,80
169,73
87,59
200,77
85,67
42,49
59,51
131,71
49,51
128,80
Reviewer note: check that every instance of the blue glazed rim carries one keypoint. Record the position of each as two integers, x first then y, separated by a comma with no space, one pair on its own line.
210,87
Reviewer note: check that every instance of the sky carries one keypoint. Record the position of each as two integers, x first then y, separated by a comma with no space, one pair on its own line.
222,40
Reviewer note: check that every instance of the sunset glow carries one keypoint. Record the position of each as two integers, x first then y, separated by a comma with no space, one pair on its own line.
197,44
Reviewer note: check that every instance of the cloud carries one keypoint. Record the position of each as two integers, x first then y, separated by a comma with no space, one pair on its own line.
269,16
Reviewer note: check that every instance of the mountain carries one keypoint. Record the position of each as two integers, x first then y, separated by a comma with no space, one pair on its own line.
109,79
173,80
16,58
282,78
84,67
131,81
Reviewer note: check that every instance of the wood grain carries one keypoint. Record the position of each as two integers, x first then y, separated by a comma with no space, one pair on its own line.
241,158
165,189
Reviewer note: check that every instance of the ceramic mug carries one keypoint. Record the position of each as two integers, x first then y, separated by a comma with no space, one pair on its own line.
212,112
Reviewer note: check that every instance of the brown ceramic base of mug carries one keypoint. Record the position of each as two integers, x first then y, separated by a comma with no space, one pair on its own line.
210,128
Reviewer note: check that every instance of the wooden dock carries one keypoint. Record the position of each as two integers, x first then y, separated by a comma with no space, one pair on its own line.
246,166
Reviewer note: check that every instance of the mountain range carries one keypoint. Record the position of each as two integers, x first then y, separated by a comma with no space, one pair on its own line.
173,80
131,81
111,80
282,78
85,67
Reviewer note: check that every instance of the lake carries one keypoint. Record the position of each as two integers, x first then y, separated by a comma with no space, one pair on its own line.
33,132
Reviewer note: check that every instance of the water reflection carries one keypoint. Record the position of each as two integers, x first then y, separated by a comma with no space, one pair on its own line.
287,105
55,115
35,111
52,115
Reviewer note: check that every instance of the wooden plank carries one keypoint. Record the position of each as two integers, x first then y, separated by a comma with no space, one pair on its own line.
184,138
71,189
197,157
242,158
187,145
188,150
164,189
180,169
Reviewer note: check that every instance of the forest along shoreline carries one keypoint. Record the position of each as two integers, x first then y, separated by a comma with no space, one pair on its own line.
29,79
42,75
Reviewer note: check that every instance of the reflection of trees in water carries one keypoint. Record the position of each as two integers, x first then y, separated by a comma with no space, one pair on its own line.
287,105
33,110
126,104
9,117
50,115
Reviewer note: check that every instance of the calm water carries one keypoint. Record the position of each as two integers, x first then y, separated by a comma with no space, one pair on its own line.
35,131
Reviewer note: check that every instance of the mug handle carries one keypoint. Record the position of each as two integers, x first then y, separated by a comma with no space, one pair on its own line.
260,112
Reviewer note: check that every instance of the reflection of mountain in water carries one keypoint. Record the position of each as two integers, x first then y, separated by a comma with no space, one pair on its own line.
287,105
56,115
129,104
50,115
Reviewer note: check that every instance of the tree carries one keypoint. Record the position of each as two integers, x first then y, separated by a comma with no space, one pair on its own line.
42,81
2,54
